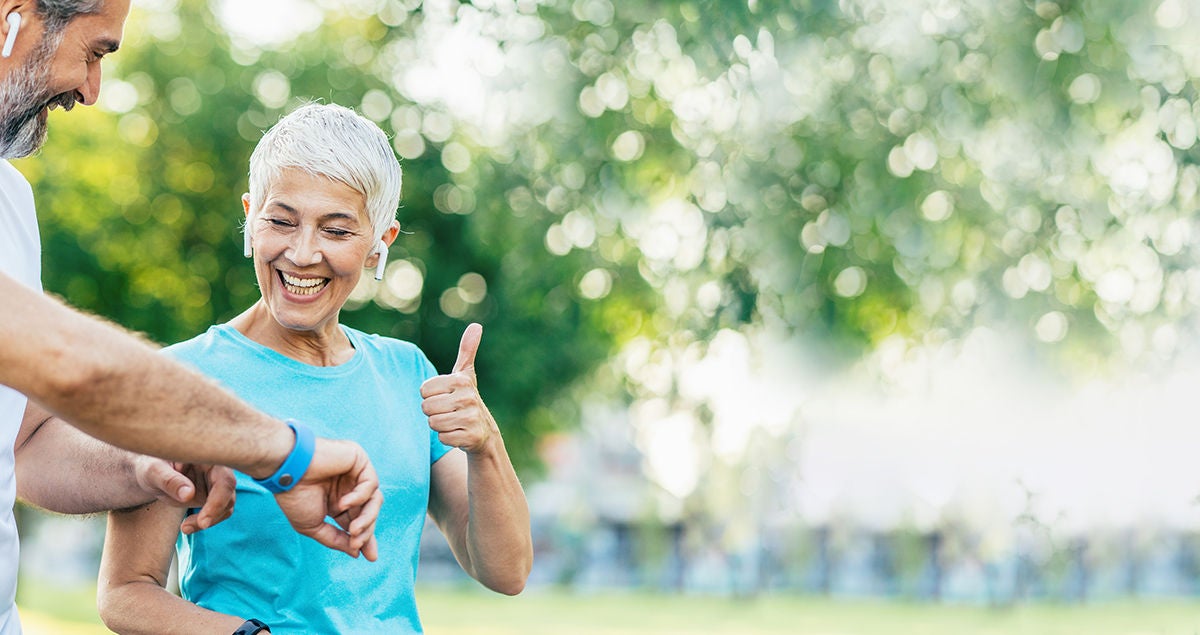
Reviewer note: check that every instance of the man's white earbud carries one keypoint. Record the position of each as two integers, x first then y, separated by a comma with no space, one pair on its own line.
14,25
382,250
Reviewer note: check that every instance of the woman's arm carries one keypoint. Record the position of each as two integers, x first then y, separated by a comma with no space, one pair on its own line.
61,469
477,503
475,498
131,596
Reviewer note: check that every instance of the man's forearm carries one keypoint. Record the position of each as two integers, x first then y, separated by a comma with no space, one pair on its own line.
117,388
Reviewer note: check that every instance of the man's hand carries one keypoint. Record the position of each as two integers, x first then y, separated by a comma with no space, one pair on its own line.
212,488
340,483
452,402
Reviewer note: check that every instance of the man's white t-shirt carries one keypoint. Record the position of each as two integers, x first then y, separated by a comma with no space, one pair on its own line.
21,259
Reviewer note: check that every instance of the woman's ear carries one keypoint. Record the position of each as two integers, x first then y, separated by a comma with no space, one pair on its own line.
378,257
388,237
389,234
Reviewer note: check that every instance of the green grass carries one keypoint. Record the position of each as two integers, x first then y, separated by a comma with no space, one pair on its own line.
536,612
75,606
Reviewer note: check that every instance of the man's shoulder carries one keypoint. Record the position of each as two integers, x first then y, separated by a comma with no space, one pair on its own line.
8,172
13,182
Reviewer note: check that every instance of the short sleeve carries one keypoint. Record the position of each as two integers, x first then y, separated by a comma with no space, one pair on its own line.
437,449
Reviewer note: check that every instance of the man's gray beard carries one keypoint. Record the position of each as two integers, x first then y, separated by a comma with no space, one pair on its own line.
23,96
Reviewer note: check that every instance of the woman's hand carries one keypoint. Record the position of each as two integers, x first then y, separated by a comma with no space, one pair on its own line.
452,402
475,497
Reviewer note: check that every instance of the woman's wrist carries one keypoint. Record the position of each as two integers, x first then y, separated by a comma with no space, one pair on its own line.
251,627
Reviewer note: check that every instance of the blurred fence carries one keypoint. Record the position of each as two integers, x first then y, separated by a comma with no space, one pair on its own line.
952,564
1005,566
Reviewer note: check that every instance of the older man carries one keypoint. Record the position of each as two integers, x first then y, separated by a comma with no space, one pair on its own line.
105,381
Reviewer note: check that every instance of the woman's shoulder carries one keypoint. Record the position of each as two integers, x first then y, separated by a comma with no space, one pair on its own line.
190,345
200,346
384,345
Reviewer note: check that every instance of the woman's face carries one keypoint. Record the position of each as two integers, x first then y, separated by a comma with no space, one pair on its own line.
311,240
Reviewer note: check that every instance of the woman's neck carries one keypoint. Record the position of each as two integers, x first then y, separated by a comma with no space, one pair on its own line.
327,345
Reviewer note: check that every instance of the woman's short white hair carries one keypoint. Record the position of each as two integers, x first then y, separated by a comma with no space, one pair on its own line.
337,143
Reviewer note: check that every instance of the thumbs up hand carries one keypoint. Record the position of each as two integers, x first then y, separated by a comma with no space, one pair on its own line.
452,402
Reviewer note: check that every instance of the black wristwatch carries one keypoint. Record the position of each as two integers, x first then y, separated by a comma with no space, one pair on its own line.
251,627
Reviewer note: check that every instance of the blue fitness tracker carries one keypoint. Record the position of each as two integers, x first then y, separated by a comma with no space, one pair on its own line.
296,463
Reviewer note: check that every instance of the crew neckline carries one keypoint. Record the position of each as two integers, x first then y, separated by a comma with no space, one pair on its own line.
229,332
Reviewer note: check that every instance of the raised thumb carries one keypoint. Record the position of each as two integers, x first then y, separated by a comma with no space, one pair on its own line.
468,347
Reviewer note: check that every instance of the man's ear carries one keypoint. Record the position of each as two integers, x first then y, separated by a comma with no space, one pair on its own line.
26,9
17,17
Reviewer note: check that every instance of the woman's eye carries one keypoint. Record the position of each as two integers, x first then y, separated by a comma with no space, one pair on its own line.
338,232
278,222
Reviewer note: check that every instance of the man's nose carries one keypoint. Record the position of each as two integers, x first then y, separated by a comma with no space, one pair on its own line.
89,92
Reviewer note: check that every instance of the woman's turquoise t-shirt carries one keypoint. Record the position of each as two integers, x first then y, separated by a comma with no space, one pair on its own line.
254,564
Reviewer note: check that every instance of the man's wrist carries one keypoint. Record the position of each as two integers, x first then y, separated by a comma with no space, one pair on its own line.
277,445
296,463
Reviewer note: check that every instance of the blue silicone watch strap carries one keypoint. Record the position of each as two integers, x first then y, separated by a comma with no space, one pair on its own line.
296,463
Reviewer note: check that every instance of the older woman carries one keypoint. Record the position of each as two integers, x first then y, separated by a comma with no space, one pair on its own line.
324,188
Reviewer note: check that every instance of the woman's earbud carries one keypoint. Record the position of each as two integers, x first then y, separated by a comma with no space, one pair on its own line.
382,250
14,25
247,249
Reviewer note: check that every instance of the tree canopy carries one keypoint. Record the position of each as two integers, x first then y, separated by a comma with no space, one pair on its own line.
584,174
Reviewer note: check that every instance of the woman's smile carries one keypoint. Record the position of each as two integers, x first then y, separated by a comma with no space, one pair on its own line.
298,285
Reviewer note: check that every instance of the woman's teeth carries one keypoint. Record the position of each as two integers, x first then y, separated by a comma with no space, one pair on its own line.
303,286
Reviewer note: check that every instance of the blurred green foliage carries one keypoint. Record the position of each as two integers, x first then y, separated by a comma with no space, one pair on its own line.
583,173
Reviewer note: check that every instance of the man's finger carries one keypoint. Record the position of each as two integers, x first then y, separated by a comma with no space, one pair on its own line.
189,526
468,347
366,487
192,524
332,537
370,551
218,505
176,486
363,523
